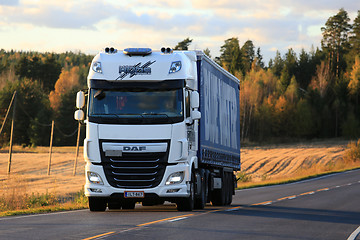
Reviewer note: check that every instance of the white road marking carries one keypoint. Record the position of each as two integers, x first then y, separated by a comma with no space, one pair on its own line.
178,219
354,234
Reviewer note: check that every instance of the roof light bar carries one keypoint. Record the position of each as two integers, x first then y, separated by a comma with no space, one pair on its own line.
137,51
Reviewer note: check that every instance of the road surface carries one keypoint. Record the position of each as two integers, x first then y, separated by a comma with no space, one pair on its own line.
322,208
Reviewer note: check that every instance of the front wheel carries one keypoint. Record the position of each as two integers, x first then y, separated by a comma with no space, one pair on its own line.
97,204
187,204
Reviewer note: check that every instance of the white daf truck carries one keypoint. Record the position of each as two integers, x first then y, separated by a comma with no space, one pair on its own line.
160,126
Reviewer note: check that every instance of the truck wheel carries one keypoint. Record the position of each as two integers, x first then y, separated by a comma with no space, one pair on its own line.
128,205
187,204
114,205
97,204
200,201
218,196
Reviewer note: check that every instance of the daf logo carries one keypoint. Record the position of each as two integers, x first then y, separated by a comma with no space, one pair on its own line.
134,148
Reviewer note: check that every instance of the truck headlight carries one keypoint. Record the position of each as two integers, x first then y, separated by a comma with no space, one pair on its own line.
175,178
94,178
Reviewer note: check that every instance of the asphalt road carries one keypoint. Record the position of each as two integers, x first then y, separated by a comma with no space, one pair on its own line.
323,208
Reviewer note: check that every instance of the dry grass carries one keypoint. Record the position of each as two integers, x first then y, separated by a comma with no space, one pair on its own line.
29,188
30,165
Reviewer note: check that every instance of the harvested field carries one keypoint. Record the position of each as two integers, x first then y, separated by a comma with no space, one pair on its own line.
29,171
287,161
292,160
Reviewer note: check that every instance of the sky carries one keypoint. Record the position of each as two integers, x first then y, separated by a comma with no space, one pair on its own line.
91,25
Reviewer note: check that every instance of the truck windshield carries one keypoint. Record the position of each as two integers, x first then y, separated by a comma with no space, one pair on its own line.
132,106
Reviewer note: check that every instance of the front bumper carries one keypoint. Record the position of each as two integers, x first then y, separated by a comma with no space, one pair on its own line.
162,191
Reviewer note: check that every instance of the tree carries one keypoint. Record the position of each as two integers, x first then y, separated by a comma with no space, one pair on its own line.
277,64
321,80
247,56
207,52
31,103
354,83
336,40
230,57
259,58
46,72
355,35
304,70
67,81
183,45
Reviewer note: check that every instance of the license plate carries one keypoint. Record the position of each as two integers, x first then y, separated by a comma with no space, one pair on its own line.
134,194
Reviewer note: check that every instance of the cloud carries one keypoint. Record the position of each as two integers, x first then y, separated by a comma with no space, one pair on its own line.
71,14
9,2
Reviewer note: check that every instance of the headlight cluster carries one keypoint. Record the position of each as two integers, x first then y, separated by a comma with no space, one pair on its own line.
94,178
175,178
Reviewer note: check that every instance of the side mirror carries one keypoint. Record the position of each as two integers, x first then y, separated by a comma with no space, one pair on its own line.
79,115
80,99
195,99
195,115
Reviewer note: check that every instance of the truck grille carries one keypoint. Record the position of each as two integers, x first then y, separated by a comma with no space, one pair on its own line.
135,170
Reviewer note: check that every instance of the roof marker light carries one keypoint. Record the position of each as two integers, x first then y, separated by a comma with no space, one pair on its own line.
96,67
175,67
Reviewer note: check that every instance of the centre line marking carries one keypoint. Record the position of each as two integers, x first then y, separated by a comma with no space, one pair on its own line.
163,220
307,193
100,235
262,203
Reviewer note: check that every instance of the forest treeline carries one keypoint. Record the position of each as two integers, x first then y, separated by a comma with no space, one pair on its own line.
46,86
307,95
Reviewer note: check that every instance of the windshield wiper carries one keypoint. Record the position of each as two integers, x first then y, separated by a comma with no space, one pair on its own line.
155,114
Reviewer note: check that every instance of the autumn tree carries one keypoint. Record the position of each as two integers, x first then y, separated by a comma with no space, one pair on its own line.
67,81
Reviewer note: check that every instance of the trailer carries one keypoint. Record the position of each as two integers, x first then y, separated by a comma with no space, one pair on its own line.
160,126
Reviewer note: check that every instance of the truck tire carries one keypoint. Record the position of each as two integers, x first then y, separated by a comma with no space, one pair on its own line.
128,205
97,204
200,201
187,204
114,205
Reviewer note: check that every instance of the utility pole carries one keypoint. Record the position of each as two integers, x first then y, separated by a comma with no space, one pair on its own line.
51,143
7,112
12,133
77,148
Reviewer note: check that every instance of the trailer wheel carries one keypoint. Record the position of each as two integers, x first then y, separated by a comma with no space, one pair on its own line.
97,204
187,204
229,188
218,195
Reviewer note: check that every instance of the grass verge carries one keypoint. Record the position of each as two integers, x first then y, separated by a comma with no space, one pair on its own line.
14,204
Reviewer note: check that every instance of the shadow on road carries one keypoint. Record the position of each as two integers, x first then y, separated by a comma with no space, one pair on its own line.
291,213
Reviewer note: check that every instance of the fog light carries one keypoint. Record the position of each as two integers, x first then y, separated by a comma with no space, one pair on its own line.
173,190
175,178
94,178
95,190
